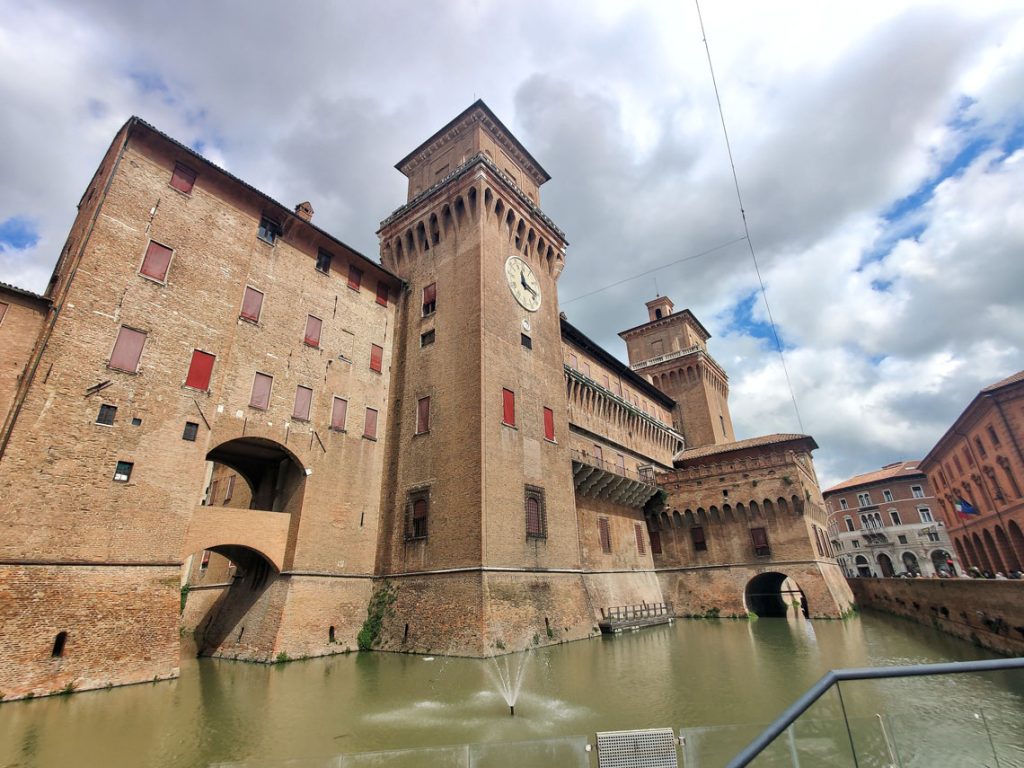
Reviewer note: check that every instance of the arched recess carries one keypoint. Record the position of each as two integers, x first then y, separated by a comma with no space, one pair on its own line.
910,564
276,477
943,562
677,519
863,569
774,595
1006,550
1016,539
964,560
990,546
885,565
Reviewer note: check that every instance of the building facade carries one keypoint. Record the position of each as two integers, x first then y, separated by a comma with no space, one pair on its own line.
979,461
885,523
224,418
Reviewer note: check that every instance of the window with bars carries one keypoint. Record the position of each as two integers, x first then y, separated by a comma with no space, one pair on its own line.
303,402
605,534
508,407
549,424
430,299
127,349
536,514
376,358
106,414
311,337
200,370
700,541
422,415
339,412
417,515
156,262
382,293
355,277
323,261
252,305
260,395
370,424
655,542
183,178
638,532
759,538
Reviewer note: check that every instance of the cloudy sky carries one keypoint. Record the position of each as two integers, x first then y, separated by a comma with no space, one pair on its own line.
879,149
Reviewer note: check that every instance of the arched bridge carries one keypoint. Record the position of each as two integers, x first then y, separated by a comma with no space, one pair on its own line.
221,527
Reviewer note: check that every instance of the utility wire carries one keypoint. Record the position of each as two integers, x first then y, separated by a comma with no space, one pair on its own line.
656,269
743,215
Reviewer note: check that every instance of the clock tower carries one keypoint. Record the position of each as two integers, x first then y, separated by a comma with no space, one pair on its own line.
478,539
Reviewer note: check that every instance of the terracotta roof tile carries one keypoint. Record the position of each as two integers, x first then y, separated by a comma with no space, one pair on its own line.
753,442
1019,376
889,471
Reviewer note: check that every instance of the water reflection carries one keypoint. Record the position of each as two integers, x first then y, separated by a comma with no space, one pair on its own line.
691,674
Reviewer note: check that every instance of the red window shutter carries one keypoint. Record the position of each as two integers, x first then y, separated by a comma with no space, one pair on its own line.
127,350
549,424
183,178
200,370
252,304
3,311
376,358
303,400
339,412
355,277
423,415
313,326
605,534
382,293
508,402
370,424
158,258
429,298
261,386
638,531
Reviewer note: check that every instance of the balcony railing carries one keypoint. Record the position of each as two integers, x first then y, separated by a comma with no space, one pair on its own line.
593,476
665,357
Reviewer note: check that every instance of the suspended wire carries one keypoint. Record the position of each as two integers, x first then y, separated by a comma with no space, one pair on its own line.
656,269
743,215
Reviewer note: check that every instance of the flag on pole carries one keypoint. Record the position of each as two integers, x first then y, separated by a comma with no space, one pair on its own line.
964,508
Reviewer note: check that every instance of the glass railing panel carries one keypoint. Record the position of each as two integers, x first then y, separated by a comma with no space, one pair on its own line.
712,746
960,738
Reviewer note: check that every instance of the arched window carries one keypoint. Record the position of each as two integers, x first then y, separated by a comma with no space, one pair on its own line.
58,644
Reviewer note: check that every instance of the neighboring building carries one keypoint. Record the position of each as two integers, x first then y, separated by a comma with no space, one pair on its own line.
221,385
979,461
885,522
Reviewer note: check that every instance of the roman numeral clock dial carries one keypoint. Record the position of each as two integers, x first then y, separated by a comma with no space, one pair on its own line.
522,283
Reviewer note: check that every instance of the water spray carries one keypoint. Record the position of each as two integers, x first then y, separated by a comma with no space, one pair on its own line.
511,710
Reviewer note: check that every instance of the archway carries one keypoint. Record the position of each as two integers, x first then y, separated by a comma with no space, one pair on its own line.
990,547
1016,539
863,569
1012,563
910,563
943,562
774,595
983,562
276,478
885,564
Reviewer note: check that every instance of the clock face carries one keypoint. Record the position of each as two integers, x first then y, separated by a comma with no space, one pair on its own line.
523,283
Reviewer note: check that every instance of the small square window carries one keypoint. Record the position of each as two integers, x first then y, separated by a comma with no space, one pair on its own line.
313,328
252,305
269,230
156,261
355,277
902,539
917,491
526,341
183,178
123,471
136,421
323,261
191,431
427,338
106,414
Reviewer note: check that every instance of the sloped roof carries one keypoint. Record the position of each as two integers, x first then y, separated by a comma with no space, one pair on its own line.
888,472
21,291
1019,376
739,445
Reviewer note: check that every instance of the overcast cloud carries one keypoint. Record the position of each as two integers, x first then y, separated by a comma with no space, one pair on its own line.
880,152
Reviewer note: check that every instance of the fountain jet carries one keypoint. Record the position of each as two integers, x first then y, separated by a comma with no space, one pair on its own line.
512,710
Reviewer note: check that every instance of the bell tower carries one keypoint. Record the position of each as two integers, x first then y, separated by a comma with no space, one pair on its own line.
479,531
670,351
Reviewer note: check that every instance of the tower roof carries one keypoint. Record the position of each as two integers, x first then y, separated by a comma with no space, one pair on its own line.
684,315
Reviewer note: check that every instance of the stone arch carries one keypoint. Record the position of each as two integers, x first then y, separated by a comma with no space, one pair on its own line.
727,515
472,195
769,509
410,243
713,515
773,594
1005,548
993,552
1016,539
531,237
910,563
510,221
964,560
861,563
396,248
460,211
741,512
421,237
798,505
755,511
690,519
942,561
520,235
782,505
276,476
978,557
677,519
499,208
665,521
885,565
488,196
702,516
435,230
446,219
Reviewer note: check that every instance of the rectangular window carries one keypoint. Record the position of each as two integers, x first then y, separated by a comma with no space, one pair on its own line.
183,178
156,261
959,466
856,544
925,514
268,231
430,299
312,334
849,523
123,471
339,412
106,414
419,508
980,446
427,338
191,431
967,455
127,349
605,382
252,305
323,261
200,370
917,491
655,542
303,401
508,407
887,495
599,454
895,517
759,538
261,386
526,341
604,533
620,464
586,369
355,277
229,489
700,542
638,531
370,423
382,293
205,562
992,436
422,415
617,387
536,517
376,358
843,504
572,361
863,499
549,424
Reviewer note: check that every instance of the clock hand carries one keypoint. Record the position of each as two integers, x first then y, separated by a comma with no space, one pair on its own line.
522,281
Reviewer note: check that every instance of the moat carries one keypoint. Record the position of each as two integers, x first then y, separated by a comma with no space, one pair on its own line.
694,674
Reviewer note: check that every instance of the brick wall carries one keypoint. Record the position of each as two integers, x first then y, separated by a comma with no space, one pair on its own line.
22,323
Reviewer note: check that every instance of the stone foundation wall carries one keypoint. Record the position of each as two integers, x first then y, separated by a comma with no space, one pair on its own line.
121,624
985,612
317,603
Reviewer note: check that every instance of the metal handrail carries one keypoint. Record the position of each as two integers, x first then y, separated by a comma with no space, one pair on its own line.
835,676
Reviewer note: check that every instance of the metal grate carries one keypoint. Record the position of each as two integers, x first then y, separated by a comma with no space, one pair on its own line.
650,748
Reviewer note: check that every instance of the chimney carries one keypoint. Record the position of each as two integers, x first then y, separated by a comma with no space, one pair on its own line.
305,211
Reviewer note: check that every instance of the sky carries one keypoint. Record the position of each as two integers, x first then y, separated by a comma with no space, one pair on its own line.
879,151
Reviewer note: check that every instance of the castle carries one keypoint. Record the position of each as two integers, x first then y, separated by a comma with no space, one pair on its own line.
212,381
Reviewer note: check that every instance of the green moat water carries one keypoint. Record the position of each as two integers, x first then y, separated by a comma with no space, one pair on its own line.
703,676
